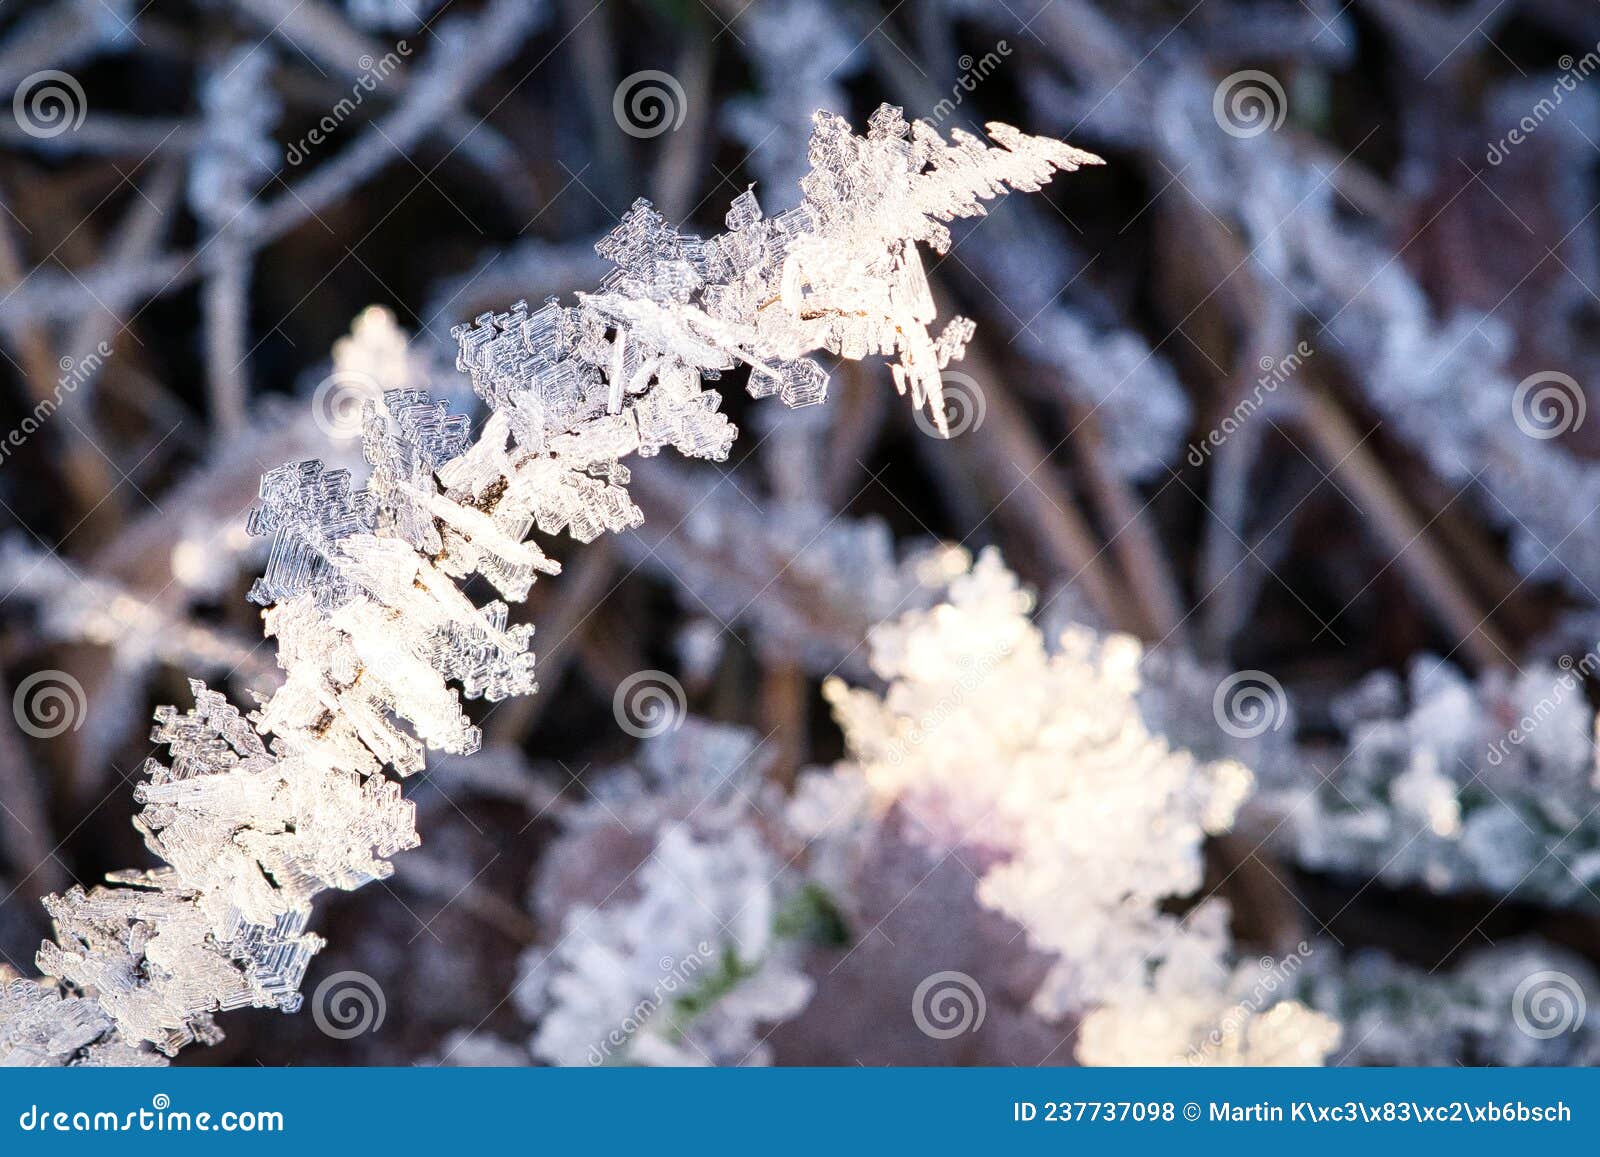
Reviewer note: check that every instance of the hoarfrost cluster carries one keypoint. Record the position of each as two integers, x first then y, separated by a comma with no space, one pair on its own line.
254,815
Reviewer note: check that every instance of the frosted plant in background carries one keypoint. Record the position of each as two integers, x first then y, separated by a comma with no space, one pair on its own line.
803,55
391,15
1454,785
831,577
255,815
671,944
690,972
1025,259
1199,1010
1442,383
1522,1002
140,633
236,153
1035,762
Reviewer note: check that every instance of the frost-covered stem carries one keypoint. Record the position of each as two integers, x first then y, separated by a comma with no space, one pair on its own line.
1224,549
1344,453
316,29
225,299
257,815
1022,483
83,470
1133,539
25,819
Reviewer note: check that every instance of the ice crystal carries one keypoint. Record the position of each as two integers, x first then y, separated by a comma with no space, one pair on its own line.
1518,1003
254,815
686,972
1443,382
1036,762
672,947
837,575
1454,785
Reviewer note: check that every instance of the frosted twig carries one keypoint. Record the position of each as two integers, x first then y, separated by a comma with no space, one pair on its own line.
255,816
1342,451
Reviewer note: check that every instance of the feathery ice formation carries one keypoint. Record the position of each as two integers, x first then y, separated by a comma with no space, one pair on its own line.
255,814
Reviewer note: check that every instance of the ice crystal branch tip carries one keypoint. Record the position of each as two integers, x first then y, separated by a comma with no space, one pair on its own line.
255,814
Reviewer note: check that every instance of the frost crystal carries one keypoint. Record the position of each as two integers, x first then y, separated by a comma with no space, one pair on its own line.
1456,786
673,947
1037,763
686,973
1503,1004
254,815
